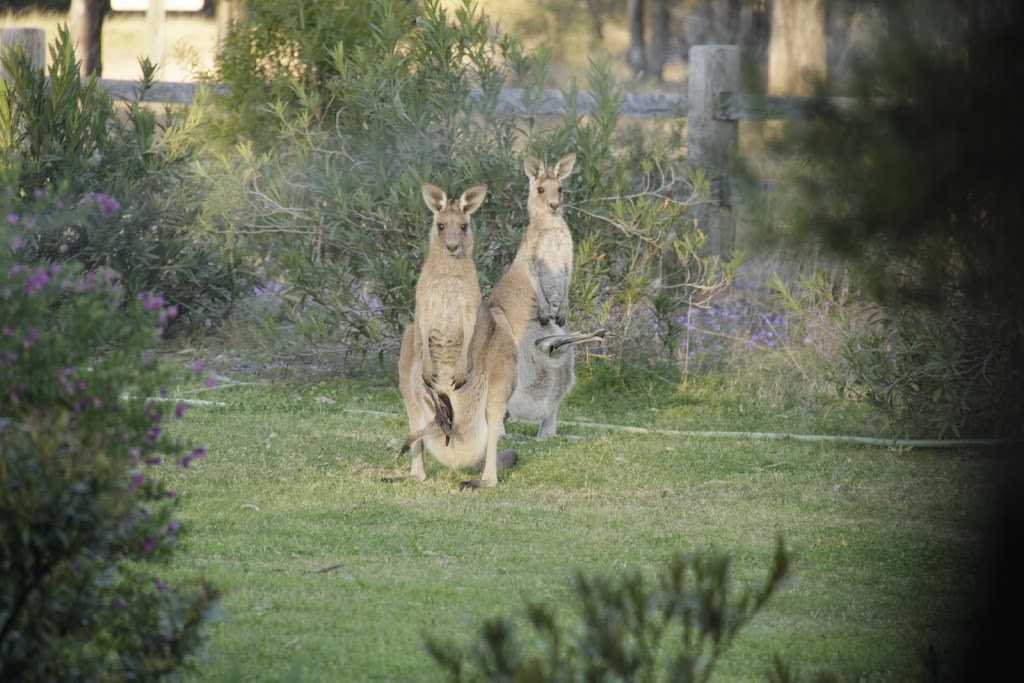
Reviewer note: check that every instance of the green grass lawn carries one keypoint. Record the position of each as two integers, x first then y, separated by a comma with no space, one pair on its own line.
329,575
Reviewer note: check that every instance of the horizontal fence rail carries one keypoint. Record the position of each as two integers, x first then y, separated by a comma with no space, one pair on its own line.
713,105
511,100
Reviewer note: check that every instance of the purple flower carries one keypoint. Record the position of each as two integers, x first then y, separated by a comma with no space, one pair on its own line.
179,410
198,367
108,204
153,434
168,313
148,545
151,302
152,462
13,218
174,527
210,382
37,280
17,242
194,455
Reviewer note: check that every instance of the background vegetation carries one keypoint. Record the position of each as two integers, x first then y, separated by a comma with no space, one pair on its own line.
276,231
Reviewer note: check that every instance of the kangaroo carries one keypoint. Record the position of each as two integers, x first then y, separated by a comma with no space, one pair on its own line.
533,295
460,426
448,291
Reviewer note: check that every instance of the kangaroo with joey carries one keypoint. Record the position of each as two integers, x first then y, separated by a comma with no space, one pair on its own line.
533,294
457,362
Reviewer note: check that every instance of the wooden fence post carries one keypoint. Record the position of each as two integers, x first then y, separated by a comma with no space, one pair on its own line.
712,143
32,41
156,30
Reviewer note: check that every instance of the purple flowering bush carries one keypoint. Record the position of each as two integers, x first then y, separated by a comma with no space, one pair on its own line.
85,520
62,138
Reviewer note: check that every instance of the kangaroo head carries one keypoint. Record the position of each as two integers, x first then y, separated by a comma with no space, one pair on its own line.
451,233
546,184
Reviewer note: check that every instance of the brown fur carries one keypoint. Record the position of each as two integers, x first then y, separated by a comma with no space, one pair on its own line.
476,407
448,291
533,294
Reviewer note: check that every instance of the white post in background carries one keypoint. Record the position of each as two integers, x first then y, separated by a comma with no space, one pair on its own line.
31,40
156,30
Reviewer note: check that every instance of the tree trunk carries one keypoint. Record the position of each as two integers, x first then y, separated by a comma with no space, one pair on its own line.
635,19
595,17
797,58
86,33
659,39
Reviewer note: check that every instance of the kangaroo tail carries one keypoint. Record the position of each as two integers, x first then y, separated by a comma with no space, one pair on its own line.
431,430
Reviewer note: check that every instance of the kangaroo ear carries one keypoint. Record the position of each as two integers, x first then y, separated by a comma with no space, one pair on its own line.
533,167
434,197
472,198
564,166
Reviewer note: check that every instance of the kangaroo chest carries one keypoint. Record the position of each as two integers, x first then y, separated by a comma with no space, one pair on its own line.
551,248
446,308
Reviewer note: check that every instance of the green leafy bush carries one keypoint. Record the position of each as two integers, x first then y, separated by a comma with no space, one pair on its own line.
277,51
61,133
84,519
918,189
327,202
930,372
623,629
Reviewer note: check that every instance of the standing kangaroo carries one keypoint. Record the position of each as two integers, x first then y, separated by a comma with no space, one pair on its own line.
534,297
448,291
457,363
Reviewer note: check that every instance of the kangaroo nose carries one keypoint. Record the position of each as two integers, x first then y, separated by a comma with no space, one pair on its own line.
453,248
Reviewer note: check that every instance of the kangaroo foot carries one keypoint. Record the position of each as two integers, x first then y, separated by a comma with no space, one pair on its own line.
473,485
443,413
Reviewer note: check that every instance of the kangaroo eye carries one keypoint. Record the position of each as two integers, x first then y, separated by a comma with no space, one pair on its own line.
559,190
465,227
540,190
440,227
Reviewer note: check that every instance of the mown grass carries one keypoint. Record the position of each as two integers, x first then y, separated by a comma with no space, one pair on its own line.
329,575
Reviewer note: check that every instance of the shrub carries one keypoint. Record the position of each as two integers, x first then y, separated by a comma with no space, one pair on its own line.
918,189
624,628
277,51
84,519
327,200
929,371
61,133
